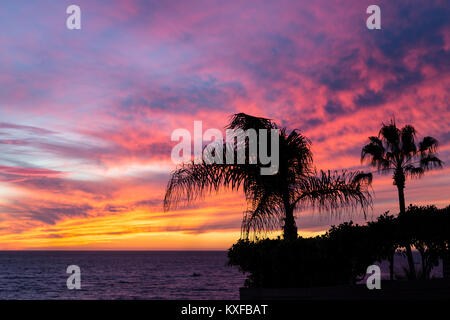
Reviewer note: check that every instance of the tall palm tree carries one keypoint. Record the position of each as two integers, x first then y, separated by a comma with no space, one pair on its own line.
395,150
272,199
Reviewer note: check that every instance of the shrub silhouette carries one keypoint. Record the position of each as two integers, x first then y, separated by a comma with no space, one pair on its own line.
342,255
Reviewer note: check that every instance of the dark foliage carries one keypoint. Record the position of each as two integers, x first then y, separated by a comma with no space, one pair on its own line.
304,262
342,255
428,230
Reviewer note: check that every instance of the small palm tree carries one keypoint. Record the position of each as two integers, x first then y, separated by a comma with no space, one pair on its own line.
394,151
272,199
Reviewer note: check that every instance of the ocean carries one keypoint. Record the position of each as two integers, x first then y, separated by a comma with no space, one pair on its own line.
131,274
119,275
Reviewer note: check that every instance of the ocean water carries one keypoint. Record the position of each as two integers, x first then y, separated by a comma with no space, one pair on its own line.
119,275
132,274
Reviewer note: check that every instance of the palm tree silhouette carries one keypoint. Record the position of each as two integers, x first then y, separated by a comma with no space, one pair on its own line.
272,199
394,150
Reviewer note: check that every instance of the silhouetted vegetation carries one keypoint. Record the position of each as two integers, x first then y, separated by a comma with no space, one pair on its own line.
394,151
428,230
272,199
385,234
342,255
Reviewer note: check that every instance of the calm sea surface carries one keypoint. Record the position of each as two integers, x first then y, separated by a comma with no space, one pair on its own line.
130,274
119,275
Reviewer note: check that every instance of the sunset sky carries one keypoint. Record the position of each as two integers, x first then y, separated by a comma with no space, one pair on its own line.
86,115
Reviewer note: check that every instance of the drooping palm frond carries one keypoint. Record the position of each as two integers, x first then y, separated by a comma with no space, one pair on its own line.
428,145
390,135
376,153
408,144
413,171
295,153
265,215
194,181
333,190
191,181
428,159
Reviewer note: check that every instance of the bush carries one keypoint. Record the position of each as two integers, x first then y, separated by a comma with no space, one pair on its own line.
428,230
339,257
342,255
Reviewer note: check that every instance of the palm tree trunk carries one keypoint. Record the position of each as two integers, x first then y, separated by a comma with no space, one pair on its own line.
424,266
289,228
401,198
